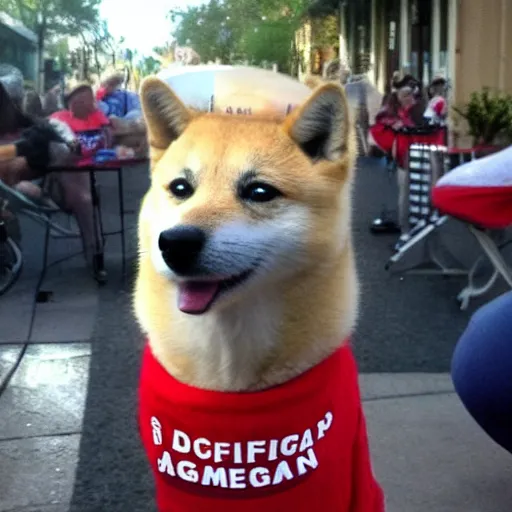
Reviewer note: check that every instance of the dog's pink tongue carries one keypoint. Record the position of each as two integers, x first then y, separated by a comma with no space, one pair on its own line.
194,298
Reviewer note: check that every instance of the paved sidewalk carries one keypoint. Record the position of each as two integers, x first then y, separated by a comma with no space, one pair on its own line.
68,434
48,347
429,455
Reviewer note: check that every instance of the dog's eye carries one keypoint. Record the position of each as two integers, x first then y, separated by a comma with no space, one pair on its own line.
259,192
181,188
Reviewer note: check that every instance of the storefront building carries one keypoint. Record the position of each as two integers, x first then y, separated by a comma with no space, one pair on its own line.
466,41
18,47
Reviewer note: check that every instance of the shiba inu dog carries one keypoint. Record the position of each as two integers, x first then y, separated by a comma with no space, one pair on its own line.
247,292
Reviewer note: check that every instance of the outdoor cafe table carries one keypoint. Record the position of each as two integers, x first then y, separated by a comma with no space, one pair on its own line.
92,167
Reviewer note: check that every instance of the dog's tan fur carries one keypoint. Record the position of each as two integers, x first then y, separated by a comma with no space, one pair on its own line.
287,325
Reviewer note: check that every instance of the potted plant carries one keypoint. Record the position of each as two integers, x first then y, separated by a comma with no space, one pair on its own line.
489,117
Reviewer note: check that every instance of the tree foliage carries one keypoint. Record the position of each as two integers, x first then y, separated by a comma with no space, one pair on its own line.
208,28
49,17
242,30
56,20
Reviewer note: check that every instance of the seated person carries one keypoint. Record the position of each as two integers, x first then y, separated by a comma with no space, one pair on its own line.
482,366
479,192
88,122
125,113
27,146
54,139
437,108
118,102
13,121
91,127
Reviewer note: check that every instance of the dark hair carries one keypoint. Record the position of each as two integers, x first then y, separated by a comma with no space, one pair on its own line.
437,86
438,81
413,83
12,117
391,104
406,81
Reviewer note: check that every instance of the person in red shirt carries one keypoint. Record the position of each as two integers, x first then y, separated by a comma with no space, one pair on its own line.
395,113
39,143
437,108
89,123
92,129
399,111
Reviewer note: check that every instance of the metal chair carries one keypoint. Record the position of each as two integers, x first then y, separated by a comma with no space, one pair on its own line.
11,260
42,211
492,251
426,163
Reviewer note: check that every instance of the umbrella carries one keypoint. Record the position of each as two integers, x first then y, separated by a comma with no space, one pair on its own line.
235,89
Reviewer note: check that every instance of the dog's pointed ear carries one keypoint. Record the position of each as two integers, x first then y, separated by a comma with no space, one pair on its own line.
165,115
321,125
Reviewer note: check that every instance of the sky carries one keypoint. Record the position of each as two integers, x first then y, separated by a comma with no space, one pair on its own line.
142,23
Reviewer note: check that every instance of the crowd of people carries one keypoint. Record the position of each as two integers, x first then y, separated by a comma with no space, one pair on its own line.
479,192
109,118
407,109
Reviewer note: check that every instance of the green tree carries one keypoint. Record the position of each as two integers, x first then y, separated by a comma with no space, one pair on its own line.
58,49
270,41
63,17
148,66
49,18
272,35
242,30
208,28
101,45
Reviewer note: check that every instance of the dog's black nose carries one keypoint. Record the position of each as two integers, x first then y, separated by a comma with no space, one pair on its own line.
181,247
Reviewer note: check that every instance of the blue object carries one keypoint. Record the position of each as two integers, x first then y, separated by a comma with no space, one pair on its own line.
482,369
121,102
105,155
91,141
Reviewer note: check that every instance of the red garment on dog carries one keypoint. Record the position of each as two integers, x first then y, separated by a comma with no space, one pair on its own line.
300,446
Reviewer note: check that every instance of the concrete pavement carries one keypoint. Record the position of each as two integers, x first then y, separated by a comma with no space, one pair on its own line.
73,389
45,353
429,454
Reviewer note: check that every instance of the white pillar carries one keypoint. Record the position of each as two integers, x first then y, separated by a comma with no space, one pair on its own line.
453,11
405,39
343,51
373,45
436,36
